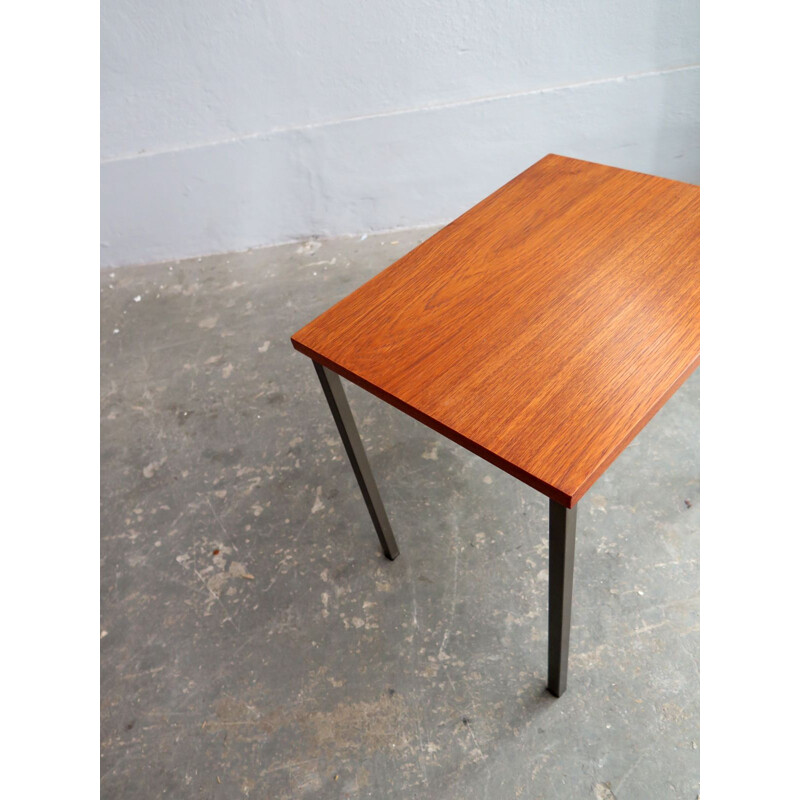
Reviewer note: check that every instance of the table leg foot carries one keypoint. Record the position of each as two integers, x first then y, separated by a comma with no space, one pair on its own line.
340,408
562,559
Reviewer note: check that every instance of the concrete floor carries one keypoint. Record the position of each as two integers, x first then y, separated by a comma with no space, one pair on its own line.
254,641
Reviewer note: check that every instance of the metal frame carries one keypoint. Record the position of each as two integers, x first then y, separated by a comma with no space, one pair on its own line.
562,560
562,533
343,416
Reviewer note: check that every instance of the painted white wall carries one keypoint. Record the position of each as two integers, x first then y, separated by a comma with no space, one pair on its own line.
228,124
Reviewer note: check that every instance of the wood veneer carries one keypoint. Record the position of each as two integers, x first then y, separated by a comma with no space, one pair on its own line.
542,329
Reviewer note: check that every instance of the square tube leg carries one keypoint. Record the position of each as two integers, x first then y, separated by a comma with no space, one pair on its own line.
562,559
340,408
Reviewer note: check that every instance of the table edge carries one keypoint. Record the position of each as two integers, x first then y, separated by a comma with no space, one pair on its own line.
565,498
512,469
637,429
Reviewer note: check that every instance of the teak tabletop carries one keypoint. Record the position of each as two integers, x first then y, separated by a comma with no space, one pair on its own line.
542,329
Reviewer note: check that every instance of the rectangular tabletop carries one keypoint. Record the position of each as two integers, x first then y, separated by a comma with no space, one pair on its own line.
542,329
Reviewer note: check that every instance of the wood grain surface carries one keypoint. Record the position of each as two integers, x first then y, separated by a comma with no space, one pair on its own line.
542,329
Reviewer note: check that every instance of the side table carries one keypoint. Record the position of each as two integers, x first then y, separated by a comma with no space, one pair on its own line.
541,330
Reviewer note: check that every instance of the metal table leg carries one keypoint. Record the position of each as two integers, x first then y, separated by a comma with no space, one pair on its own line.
562,533
562,559
340,408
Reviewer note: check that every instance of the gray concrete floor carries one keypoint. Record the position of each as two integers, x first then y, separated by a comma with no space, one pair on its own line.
254,641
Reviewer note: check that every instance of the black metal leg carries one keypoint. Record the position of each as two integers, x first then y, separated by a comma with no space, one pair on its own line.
340,408
562,559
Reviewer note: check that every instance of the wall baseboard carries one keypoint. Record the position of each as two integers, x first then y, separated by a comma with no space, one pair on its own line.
387,171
